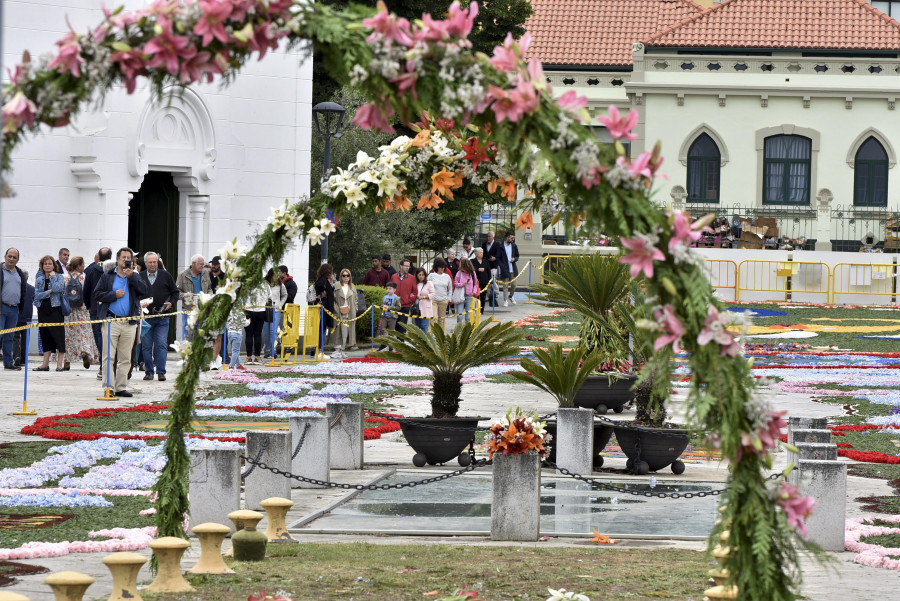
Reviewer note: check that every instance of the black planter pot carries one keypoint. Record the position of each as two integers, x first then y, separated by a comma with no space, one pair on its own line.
438,440
602,434
652,449
598,394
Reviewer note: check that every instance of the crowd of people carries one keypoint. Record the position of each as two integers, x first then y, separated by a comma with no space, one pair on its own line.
416,294
140,294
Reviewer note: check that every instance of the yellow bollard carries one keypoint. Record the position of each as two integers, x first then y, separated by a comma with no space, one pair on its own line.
124,568
168,551
721,593
243,518
68,586
12,597
718,575
210,536
276,526
25,410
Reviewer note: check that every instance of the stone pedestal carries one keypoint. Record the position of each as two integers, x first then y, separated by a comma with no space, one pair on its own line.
124,568
276,452
817,451
68,586
215,484
168,551
808,435
826,482
805,423
346,434
210,536
314,457
516,503
575,440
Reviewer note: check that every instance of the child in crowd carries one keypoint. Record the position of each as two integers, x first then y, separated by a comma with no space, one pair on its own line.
237,321
389,305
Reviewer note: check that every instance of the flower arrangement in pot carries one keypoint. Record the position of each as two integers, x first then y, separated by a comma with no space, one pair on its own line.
517,433
442,435
599,288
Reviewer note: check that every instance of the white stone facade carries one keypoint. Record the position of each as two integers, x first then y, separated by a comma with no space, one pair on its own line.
234,152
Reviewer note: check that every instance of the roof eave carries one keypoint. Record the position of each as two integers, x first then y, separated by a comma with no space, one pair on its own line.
733,49
616,68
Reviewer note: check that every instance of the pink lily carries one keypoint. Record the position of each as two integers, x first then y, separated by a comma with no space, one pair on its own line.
715,331
167,48
640,256
672,326
571,101
506,57
212,24
536,75
639,166
17,110
766,437
407,81
461,21
618,126
593,176
433,30
388,25
796,507
195,68
132,64
264,38
69,56
369,116
683,231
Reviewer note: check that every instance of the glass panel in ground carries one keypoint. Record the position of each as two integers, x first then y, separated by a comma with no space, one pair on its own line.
568,507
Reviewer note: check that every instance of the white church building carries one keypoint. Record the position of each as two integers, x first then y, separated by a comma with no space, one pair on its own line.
179,177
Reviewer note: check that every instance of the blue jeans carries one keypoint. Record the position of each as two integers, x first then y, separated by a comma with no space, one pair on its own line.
421,323
234,341
154,345
462,310
9,317
267,333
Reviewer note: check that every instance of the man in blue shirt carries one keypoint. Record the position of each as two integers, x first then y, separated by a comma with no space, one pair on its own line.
118,294
12,294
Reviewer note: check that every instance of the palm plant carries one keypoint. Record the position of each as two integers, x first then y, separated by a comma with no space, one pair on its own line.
599,288
561,374
448,356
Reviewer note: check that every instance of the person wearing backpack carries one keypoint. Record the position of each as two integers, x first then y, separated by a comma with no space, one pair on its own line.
80,345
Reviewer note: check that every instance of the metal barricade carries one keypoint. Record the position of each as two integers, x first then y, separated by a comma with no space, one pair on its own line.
786,278
722,274
311,328
864,279
290,334
550,263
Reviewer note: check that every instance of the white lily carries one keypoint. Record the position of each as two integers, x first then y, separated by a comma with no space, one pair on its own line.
314,235
362,160
232,250
182,347
326,226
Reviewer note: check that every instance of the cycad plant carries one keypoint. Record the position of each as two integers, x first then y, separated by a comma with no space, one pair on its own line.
559,373
599,288
448,356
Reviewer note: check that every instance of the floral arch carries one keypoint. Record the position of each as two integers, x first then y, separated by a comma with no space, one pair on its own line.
500,126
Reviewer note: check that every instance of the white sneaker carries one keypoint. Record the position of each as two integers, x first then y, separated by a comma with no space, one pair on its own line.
512,300
506,303
218,362
324,357
213,366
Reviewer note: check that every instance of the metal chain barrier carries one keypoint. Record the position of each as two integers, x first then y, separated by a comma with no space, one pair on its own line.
254,463
347,322
299,444
646,493
625,426
337,419
521,273
329,484
417,423
88,322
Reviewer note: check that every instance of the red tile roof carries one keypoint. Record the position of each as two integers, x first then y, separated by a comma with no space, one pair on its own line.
598,32
775,24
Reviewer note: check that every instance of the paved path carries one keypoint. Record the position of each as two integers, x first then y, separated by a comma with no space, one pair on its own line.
68,392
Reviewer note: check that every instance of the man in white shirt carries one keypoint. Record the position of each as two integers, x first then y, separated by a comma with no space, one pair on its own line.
509,268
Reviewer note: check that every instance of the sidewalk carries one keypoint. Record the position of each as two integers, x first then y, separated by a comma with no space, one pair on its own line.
52,393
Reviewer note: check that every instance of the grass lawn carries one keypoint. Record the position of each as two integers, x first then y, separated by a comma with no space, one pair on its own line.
416,572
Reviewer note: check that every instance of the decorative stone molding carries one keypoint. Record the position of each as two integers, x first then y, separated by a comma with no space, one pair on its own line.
882,139
722,99
787,129
824,198
680,99
679,195
891,102
701,129
806,102
764,101
175,134
848,102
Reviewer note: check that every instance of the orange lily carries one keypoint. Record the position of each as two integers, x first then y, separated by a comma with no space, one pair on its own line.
525,220
444,181
506,185
430,201
401,202
421,138
602,539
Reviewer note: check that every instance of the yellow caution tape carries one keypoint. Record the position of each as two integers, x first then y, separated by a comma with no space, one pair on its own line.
89,322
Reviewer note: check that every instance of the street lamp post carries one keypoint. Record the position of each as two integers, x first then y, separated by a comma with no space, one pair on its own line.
333,116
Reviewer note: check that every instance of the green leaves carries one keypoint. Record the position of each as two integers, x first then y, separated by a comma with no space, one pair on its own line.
560,374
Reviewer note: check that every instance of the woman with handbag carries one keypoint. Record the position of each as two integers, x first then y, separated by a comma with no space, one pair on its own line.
324,288
443,289
345,305
274,312
256,313
466,283
49,298
80,345
424,295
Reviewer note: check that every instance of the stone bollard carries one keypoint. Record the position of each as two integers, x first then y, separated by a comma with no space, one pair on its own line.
826,482
575,440
68,586
817,451
215,484
276,452
805,423
718,593
168,551
516,500
124,568
243,518
345,421
803,426
807,435
210,536
276,527
313,457
10,596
